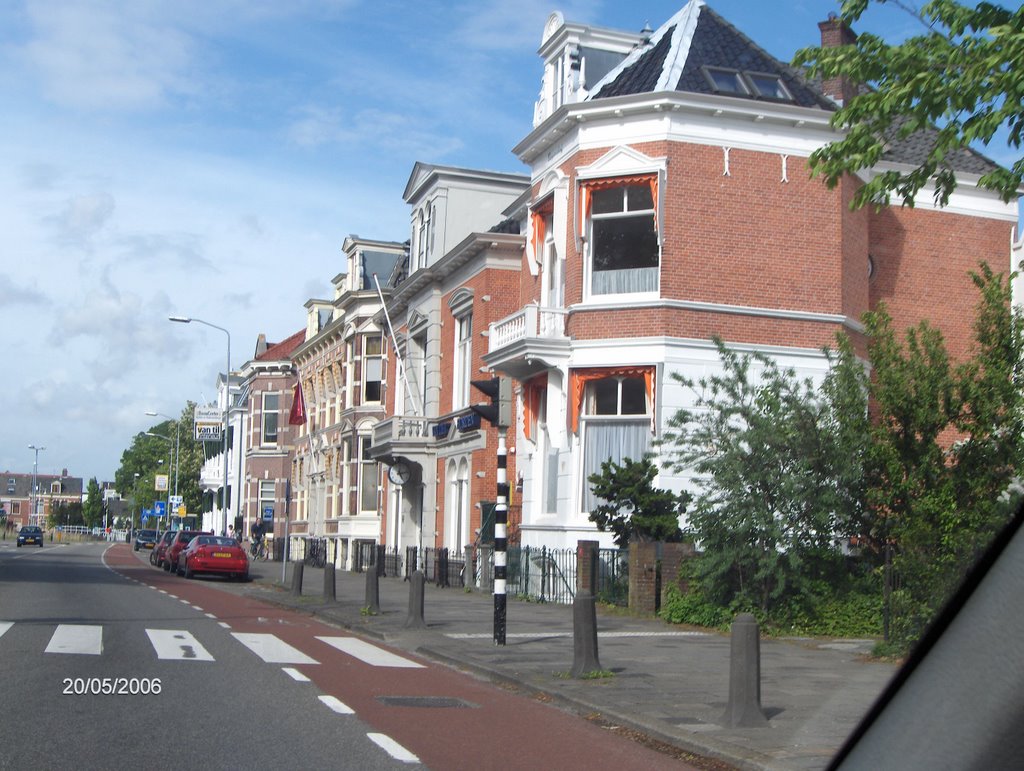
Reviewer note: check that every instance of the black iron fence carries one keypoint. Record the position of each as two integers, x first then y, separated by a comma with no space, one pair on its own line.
316,552
535,573
612,584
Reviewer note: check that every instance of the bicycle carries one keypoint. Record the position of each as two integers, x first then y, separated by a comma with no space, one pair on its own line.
259,550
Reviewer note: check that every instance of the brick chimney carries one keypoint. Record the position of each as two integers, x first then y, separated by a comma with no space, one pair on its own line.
835,33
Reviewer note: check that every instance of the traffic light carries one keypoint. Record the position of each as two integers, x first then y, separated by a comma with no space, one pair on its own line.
499,412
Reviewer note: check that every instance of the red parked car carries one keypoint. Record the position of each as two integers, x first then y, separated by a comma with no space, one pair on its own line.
178,545
156,557
214,554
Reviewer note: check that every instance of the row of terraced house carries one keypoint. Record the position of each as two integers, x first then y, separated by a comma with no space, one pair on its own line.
667,201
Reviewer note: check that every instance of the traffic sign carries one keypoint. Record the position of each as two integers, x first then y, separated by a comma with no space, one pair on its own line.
268,513
160,508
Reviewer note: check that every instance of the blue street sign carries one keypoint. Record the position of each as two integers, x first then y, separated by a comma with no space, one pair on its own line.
268,513
160,507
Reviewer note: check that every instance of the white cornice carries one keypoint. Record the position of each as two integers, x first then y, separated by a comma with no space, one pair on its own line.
565,120
742,310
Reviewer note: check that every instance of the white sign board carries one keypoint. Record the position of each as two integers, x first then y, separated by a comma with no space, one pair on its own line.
161,483
209,422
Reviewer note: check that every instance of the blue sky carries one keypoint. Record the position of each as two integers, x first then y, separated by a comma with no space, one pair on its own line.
209,158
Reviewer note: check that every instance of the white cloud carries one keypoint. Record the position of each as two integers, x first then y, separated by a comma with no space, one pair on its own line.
83,217
107,55
398,133
13,293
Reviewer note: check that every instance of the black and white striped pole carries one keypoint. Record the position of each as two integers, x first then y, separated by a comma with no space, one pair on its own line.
499,414
500,541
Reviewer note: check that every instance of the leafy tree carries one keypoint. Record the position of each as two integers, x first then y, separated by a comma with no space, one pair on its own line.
65,513
779,464
92,509
143,458
955,84
946,448
634,508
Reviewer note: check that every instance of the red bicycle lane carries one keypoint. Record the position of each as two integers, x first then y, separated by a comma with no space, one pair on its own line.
446,718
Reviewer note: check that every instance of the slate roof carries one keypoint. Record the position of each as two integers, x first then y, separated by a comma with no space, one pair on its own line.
697,37
70,486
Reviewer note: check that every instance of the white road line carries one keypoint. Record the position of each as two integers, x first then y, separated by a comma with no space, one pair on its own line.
4,626
77,638
210,615
295,674
177,644
338,706
272,649
543,635
196,607
370,654
224,624
393,748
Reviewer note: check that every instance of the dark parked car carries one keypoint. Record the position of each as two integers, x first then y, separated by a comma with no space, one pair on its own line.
214,554
145,539
177,545
156,557
30,534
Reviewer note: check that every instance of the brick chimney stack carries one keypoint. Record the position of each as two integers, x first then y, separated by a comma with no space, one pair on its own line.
835,33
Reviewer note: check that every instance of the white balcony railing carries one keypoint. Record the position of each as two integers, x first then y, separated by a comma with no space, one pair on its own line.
400,427
531,321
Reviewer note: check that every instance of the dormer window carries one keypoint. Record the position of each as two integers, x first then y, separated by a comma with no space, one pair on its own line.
725,81
55,488
10,485
768,86
760,85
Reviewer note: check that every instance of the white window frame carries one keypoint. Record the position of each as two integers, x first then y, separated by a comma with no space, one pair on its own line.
265,412
589,422
368,466
463,367
366,359
622,214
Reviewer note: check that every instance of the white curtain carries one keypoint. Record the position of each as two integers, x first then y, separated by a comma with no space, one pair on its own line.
625,281
613,440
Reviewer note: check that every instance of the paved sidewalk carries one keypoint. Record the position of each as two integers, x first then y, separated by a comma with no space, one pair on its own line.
669,683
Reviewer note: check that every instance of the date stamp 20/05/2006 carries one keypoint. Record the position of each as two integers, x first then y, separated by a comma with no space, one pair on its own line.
112,686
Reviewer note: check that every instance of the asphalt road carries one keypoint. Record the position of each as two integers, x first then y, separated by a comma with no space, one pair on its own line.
203,677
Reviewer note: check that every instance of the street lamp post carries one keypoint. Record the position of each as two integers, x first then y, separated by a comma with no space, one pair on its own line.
177,445
227,399
35,482
170,456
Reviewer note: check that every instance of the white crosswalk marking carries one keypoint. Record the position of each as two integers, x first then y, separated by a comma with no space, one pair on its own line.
295,674
77,638
337,705
271,649
369,654
393,748
4,626
177,644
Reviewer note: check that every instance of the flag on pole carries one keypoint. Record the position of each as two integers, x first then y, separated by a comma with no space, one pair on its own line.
298,413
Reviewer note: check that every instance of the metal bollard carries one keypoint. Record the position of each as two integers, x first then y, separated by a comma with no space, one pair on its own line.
417,590
372,603
297,579
584,635
744,709
329,594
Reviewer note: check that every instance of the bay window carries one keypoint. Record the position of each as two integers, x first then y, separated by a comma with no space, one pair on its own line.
624,248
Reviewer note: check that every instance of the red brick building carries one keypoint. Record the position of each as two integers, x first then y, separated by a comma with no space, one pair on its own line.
671,202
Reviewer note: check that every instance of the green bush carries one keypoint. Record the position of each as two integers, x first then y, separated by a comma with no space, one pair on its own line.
693,608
